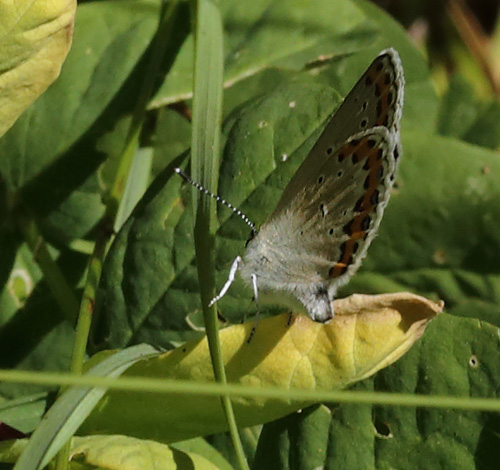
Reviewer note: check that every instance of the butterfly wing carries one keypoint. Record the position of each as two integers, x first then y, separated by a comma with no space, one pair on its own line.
342,206
375,100
330,211
317,242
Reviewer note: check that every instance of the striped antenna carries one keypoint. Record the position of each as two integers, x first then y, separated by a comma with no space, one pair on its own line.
217,198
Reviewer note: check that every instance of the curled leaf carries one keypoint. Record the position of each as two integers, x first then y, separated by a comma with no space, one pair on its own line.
287,351
35,36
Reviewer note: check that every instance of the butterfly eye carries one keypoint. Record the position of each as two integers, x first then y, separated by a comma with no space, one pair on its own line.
339,174
329,150
330,231
363,124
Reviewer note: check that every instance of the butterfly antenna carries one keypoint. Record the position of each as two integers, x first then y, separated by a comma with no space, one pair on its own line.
217,198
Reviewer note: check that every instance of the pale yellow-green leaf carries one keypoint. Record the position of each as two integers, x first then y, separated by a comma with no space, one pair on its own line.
287,351
118,453
128,453
35,36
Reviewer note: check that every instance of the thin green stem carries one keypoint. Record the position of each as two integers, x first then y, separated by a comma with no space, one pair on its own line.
59,288
185,387
207,115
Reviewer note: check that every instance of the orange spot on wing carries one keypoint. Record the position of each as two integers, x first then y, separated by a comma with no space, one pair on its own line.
369,156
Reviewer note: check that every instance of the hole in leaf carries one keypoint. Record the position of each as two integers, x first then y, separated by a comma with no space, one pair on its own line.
474,362
382,430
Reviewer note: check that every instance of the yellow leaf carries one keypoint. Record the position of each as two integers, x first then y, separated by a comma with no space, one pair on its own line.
287,351
35,36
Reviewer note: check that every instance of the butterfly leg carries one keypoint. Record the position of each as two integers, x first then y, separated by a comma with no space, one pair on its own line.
253,277
230,280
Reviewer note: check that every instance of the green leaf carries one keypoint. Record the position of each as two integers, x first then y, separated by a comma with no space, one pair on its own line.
486,129
298,441
35,37
459,108
25,413
463,115
29,311
263,34
456,357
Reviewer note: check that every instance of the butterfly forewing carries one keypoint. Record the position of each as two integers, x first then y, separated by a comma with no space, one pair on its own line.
375,100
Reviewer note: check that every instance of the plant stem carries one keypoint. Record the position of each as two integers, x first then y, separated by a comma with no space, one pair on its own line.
207,115
304,397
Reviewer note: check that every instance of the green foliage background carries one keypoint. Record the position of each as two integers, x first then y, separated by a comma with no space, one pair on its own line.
440,236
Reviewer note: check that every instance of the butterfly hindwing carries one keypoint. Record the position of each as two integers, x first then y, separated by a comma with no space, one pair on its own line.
334,217
317,242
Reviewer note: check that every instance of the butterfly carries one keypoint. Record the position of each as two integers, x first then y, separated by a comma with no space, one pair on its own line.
330,211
